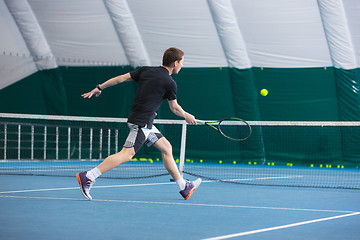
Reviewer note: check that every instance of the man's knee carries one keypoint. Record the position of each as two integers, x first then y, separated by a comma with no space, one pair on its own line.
128,152
164,146
167,147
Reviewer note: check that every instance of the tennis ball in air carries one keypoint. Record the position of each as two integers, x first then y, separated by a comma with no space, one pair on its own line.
264,92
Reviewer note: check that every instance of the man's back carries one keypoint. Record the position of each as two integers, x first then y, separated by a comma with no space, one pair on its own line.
154,86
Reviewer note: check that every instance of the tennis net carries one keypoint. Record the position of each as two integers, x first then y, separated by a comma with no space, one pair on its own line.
64,145
305,154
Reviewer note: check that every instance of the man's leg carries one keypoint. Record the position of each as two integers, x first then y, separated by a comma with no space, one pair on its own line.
166,152
116,159
86,179
133,142
186,188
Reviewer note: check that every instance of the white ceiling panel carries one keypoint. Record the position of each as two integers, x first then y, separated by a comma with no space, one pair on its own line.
283,33
352,11
15,58
185,24
79,32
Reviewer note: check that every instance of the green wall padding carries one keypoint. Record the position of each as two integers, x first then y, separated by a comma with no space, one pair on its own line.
198,93
311,94
348,93
40,93
24,96
246,107
115,101
297,94
208,93
204,92
348,89
54,92
244,94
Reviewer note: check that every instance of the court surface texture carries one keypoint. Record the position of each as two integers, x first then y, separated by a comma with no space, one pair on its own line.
39,207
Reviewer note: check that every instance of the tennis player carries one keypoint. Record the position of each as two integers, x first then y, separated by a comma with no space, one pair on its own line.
155,84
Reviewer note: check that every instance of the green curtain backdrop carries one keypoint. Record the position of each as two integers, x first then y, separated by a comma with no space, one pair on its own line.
40,93
299,94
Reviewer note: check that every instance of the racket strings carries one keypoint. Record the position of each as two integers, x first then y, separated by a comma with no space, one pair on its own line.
235,130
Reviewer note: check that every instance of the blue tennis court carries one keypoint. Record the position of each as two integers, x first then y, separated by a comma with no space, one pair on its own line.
259,99
41,207
279,188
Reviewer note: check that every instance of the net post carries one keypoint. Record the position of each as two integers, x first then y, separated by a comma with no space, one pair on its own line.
69,143
19,142
45,141
32,141
91,143
116,140
57,143
109,141
5,140
80,140
182,148
100,143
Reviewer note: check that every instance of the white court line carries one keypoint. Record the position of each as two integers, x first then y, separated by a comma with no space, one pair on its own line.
280,227
253,179
109,186
39,190
178,203
138,185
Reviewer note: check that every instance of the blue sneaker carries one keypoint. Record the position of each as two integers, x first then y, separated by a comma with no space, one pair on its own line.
85,184
190,187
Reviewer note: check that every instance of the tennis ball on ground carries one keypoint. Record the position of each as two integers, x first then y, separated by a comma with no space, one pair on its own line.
264,92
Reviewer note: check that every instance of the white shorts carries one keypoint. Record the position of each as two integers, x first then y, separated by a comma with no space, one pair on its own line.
138,136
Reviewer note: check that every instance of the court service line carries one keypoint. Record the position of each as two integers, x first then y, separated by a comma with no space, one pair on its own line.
254,179
177,203
280,227
123,185
71,188
108,186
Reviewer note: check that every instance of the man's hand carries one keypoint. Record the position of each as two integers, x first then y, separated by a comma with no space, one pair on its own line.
177,109
190,119
95,92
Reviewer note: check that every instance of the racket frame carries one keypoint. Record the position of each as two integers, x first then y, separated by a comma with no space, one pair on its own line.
218,127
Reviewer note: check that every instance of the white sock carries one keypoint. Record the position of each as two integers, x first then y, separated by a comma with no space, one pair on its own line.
93,174
181,184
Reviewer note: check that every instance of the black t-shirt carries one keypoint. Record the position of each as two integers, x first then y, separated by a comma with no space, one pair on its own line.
154,86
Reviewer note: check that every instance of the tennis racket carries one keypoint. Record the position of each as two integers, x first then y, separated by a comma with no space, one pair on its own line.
234,129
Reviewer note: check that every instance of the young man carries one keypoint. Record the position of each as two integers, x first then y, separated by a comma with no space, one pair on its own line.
154,86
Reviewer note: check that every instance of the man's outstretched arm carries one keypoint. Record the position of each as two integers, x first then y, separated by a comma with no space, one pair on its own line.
178,110
111,82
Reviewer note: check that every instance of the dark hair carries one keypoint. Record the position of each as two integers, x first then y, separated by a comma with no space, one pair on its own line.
172,55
